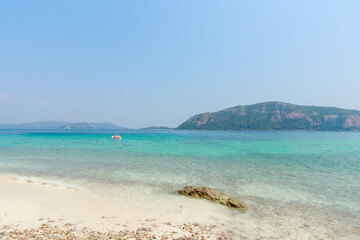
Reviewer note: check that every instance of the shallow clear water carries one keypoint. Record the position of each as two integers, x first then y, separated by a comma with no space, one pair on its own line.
317,169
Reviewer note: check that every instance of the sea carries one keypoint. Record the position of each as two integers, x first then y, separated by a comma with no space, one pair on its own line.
296,184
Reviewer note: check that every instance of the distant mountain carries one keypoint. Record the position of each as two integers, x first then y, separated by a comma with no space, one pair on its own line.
34,125
276,116
106,125
157,128
82,125
93,125
60,125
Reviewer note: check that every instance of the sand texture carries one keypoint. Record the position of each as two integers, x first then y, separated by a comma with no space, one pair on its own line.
41,211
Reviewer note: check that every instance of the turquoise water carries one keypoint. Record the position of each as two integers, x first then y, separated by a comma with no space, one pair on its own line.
317,169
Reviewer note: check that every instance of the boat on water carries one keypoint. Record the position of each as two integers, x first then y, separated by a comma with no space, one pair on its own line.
116,136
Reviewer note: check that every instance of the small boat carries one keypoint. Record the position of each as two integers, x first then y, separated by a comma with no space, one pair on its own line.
116,137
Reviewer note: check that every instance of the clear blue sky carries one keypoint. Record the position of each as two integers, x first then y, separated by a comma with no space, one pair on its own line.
142,63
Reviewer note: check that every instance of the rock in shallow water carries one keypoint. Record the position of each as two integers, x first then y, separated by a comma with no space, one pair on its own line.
213,195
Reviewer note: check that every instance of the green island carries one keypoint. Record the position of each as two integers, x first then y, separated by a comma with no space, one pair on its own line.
276,116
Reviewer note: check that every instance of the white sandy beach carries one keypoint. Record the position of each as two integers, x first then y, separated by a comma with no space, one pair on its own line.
30,205
42,209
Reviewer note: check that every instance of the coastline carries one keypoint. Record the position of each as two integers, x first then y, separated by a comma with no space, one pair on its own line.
38,208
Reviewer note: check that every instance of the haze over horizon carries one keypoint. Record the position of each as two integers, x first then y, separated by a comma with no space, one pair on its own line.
139,64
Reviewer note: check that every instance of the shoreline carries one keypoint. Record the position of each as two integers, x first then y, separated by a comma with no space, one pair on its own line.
39,208
31,206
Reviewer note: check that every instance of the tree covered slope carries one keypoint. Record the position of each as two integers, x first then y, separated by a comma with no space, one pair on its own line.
276,116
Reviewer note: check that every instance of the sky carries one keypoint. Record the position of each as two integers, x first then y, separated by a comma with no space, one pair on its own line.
145,63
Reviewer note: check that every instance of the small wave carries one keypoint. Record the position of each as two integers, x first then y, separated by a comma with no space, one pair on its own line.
42,181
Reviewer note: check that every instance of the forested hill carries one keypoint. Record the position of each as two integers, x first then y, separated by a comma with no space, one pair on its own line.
276,116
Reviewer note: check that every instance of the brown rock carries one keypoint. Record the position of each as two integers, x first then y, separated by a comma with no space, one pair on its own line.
213,195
